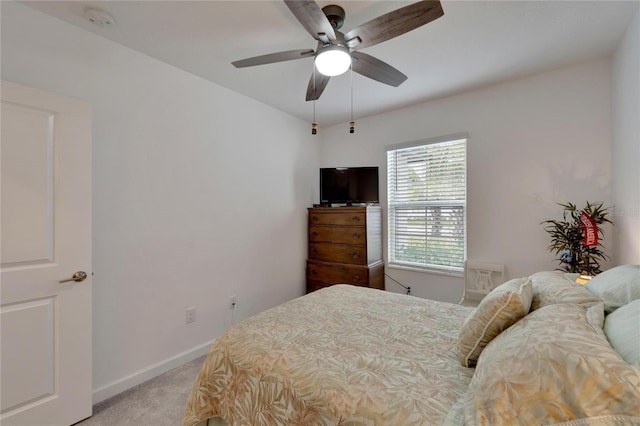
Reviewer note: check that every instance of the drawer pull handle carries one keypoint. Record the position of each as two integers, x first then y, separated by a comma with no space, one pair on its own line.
356,255
356,219
314,233
356,278
314,218
356,236
314,251
314,272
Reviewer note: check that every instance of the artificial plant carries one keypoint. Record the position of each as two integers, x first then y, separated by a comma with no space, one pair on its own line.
568,238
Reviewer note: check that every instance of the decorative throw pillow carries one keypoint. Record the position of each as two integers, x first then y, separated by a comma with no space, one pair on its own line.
555,365
553,287
622,328
616,286
501,308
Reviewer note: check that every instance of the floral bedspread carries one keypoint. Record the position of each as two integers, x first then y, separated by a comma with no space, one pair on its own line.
341,355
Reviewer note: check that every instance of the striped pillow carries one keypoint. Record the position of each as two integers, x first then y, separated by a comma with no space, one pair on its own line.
500,309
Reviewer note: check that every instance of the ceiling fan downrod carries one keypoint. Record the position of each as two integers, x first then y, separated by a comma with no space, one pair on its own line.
335,14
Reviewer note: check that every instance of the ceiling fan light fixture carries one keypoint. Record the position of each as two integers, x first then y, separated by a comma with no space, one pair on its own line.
333,60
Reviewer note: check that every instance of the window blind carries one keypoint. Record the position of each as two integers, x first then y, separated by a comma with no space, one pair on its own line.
426,205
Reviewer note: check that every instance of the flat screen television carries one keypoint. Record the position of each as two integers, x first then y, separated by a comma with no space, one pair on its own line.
349,185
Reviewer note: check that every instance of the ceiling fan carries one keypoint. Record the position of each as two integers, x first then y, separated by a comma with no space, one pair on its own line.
335,48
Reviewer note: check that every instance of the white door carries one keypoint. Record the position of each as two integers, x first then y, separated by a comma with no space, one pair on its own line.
45,229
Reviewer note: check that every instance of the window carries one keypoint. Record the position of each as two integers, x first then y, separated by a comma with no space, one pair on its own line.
426,198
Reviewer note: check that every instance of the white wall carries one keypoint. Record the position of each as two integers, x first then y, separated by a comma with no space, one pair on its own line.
626,145
177,224
199,193
533,142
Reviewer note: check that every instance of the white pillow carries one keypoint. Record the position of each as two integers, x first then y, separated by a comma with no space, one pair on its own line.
622,328
616,286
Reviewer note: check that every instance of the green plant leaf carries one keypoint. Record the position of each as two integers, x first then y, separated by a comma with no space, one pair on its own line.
566,236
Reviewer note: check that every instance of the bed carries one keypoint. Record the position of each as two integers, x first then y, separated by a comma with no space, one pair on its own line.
534,351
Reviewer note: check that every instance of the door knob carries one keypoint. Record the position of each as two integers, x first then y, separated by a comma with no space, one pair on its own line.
77,277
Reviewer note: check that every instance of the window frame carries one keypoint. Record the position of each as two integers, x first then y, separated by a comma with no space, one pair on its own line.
457,271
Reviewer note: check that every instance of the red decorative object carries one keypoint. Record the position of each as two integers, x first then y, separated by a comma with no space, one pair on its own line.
590,230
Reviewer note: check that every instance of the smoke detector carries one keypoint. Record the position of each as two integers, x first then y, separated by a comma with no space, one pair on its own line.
99,18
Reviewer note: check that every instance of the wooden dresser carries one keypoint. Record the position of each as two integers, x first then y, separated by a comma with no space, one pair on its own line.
345,247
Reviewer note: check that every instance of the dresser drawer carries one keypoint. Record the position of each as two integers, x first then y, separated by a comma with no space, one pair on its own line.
345,247
313,286
333,217
341,253
334,273
337,234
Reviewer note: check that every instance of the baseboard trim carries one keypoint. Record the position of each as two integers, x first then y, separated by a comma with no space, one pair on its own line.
118,386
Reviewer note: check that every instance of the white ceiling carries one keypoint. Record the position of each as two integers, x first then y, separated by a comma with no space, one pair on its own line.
474,44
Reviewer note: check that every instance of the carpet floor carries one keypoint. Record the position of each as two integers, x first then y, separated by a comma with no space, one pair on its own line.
158,402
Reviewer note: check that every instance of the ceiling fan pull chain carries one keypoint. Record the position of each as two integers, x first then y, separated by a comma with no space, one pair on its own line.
314,125
352,123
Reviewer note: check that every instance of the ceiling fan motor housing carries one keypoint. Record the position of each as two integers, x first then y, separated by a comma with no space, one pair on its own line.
335,15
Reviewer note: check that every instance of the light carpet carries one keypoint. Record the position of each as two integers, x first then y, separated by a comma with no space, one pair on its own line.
158,402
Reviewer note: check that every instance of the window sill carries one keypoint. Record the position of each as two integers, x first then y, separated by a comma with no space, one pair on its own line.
427,270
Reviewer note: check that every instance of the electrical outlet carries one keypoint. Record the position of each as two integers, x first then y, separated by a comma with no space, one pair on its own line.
190,315
233,301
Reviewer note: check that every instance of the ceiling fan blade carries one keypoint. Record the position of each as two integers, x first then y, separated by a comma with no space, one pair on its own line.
274,57
311,17
315,88
394,23
376,69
